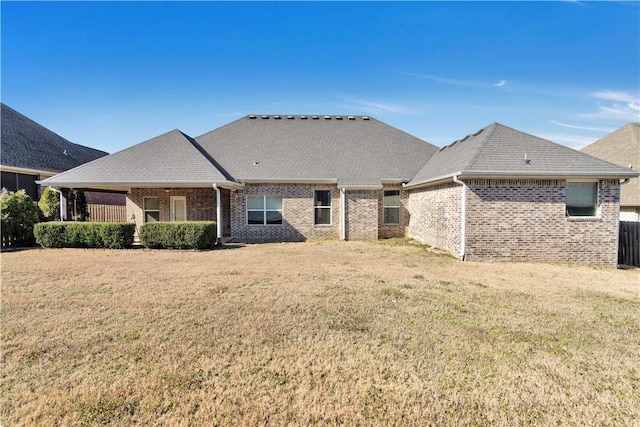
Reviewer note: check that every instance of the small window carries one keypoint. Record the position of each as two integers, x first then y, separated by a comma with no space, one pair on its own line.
264,210
391,203
582,198
322,207
151,209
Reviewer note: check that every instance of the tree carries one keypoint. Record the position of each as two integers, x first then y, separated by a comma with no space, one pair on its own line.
18,215
77,204
49,204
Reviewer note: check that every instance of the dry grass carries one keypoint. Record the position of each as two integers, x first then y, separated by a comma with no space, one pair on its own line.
316,333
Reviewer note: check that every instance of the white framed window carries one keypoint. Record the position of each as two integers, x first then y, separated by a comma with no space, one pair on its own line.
581,199
391,203
151,207
264,210
322,207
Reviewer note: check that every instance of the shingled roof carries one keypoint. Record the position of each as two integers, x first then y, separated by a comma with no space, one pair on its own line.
171,159
500,151
621,147
349,150
28,145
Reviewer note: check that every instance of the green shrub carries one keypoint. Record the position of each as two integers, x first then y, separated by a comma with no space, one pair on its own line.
49,204
84,234
18,215
179,235
78,209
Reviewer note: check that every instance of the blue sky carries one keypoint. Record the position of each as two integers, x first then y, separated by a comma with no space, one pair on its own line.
112,74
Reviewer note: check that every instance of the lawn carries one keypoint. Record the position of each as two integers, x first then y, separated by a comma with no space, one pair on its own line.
315,333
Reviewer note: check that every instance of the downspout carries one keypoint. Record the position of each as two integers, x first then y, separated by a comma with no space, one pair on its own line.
343,215
218,214
463,218
61,207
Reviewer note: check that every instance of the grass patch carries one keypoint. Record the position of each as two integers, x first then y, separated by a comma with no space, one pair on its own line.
374,334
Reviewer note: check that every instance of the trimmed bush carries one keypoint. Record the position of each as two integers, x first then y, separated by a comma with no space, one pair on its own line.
84,234
179,235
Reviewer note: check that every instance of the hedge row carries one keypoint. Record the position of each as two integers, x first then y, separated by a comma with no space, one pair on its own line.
179,235
84,234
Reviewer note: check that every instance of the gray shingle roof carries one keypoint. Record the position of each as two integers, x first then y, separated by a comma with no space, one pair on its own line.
169,159
354,150
621,147
28,145
499,151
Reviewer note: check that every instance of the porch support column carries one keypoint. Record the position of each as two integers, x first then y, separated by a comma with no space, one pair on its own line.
218,214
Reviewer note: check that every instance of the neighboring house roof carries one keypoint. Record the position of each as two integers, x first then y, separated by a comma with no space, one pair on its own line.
27,145
621,147
352,150
166,160
500,151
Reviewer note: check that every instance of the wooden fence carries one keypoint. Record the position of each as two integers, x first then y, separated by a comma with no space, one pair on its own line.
107,213
629,243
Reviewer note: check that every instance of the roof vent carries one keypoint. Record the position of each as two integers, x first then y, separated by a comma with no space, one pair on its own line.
290,117
327,117
365,117
303,117
527,161
443,148
338,117
265,117
478,133
465,138
454,143
351,118
252,116
277,117
314,117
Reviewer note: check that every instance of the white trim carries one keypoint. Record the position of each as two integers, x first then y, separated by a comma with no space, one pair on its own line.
330,207
27,171
399,207
144,210
218,214
172,207
343,215
264,210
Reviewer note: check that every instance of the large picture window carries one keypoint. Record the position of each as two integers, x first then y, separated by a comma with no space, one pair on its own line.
151,209
391,203
264,210
322,207
582,198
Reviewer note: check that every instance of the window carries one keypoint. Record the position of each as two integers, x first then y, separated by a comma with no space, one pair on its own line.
264,210
151,209
582,198
391,203
322,207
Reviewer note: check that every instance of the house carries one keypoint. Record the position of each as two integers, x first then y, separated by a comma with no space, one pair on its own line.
622,147
30,152
498,194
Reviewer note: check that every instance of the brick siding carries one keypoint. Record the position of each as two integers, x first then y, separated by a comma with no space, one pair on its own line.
201,203
524,220
435,216
297,214
386,231
362,214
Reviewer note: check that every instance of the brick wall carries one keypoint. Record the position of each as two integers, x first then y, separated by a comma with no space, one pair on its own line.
201,203
524,220
386,231
362,214
297,214
434,216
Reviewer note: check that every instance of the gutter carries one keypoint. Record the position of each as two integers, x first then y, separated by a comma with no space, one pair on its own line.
463,218
62,216
218,215
343,215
